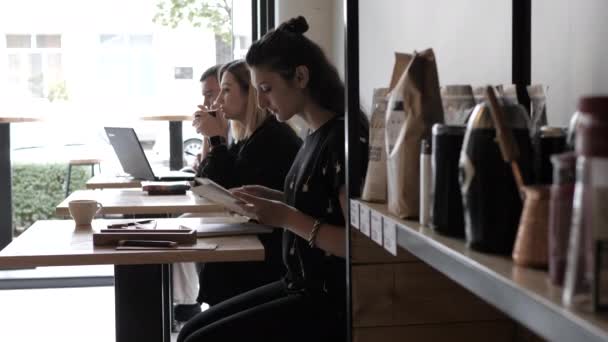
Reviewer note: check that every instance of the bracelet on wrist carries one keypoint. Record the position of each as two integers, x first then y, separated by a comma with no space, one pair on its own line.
313,233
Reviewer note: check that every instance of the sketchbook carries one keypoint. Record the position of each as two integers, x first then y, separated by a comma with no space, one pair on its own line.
113,236
219,195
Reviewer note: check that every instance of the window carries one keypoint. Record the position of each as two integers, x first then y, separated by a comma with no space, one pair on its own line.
34,64
183,73
125,65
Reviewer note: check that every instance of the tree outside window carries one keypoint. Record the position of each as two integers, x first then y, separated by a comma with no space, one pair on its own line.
217,15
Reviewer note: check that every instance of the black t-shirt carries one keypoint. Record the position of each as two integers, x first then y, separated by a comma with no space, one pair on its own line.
264,158
313,187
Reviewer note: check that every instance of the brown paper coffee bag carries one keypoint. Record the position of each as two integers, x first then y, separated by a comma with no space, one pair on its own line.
402,60
479,93
458,101
414,106
508,92
374,189
538,107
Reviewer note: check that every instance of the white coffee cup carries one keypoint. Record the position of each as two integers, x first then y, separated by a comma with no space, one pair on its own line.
83,211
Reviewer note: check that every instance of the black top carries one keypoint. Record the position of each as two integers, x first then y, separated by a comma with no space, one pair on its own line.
313,187
264,158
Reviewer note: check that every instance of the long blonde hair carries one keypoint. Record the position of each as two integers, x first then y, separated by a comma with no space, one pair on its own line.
254,116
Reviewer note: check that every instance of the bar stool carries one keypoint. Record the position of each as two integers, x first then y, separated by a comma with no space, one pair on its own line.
72,162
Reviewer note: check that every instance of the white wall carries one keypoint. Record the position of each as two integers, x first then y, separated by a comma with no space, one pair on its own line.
322,20
320,17
569,49
471,39
338,55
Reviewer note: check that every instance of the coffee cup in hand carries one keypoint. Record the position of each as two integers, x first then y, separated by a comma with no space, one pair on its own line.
83,211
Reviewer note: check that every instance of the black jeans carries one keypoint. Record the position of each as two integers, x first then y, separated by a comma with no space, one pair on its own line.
220,281
269,313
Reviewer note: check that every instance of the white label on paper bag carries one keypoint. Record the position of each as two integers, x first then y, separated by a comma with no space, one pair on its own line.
364,219
389,235
376,227
354,214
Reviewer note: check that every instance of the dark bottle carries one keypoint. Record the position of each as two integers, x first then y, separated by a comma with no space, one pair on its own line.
560,213
426,183
549,141
491,201
447,215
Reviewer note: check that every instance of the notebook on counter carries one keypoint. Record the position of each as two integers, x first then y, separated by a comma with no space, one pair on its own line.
111,236
165,188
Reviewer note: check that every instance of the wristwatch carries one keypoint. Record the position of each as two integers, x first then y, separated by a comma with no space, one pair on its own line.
217,140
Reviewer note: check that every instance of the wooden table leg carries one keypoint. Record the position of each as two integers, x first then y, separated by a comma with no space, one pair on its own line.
6,212
142,303
176,145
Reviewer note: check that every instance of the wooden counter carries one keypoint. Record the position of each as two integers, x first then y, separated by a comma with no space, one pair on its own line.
525,294
136,201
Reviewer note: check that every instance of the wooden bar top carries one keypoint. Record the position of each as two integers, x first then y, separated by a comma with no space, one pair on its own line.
112,182
12,119
59,243
167,117
136,201
525,294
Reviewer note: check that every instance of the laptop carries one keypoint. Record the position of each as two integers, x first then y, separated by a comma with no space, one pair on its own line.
133,159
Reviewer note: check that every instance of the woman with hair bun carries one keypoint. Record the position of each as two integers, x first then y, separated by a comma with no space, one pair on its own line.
293,77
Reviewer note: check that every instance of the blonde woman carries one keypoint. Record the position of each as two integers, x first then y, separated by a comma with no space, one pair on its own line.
261,152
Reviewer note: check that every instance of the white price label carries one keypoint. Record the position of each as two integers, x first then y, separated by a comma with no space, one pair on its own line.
364,219
376,228
389,236
354,214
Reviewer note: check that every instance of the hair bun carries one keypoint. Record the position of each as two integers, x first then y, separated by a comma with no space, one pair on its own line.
296,25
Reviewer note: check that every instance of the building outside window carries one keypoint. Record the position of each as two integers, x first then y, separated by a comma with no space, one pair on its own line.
34,65
126,65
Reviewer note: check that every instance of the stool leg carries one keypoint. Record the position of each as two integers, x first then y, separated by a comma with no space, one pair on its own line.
69,177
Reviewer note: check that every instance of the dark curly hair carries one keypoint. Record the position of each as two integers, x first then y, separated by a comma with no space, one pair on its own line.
283,49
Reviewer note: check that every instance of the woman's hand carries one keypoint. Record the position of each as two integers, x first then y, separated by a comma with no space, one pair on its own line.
260,191
270,212
209,125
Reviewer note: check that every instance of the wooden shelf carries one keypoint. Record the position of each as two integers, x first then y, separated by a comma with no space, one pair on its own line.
524,294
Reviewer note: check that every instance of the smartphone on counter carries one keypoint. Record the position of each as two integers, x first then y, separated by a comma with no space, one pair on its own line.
147,243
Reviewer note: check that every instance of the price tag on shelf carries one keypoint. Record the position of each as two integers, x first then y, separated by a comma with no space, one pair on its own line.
354,214
389,235
364,219
376,227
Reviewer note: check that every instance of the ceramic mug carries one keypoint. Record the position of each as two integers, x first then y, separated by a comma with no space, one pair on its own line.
83,211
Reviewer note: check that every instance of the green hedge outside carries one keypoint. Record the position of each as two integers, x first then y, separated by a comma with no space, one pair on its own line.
39,188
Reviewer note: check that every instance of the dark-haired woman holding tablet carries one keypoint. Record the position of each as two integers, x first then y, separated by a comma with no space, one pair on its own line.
293,77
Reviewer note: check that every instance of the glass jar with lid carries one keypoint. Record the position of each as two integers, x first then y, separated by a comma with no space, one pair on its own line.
589,232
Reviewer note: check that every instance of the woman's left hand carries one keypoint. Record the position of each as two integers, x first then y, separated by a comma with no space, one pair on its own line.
270,212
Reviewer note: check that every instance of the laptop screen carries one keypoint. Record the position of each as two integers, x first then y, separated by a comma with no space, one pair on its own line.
129,152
